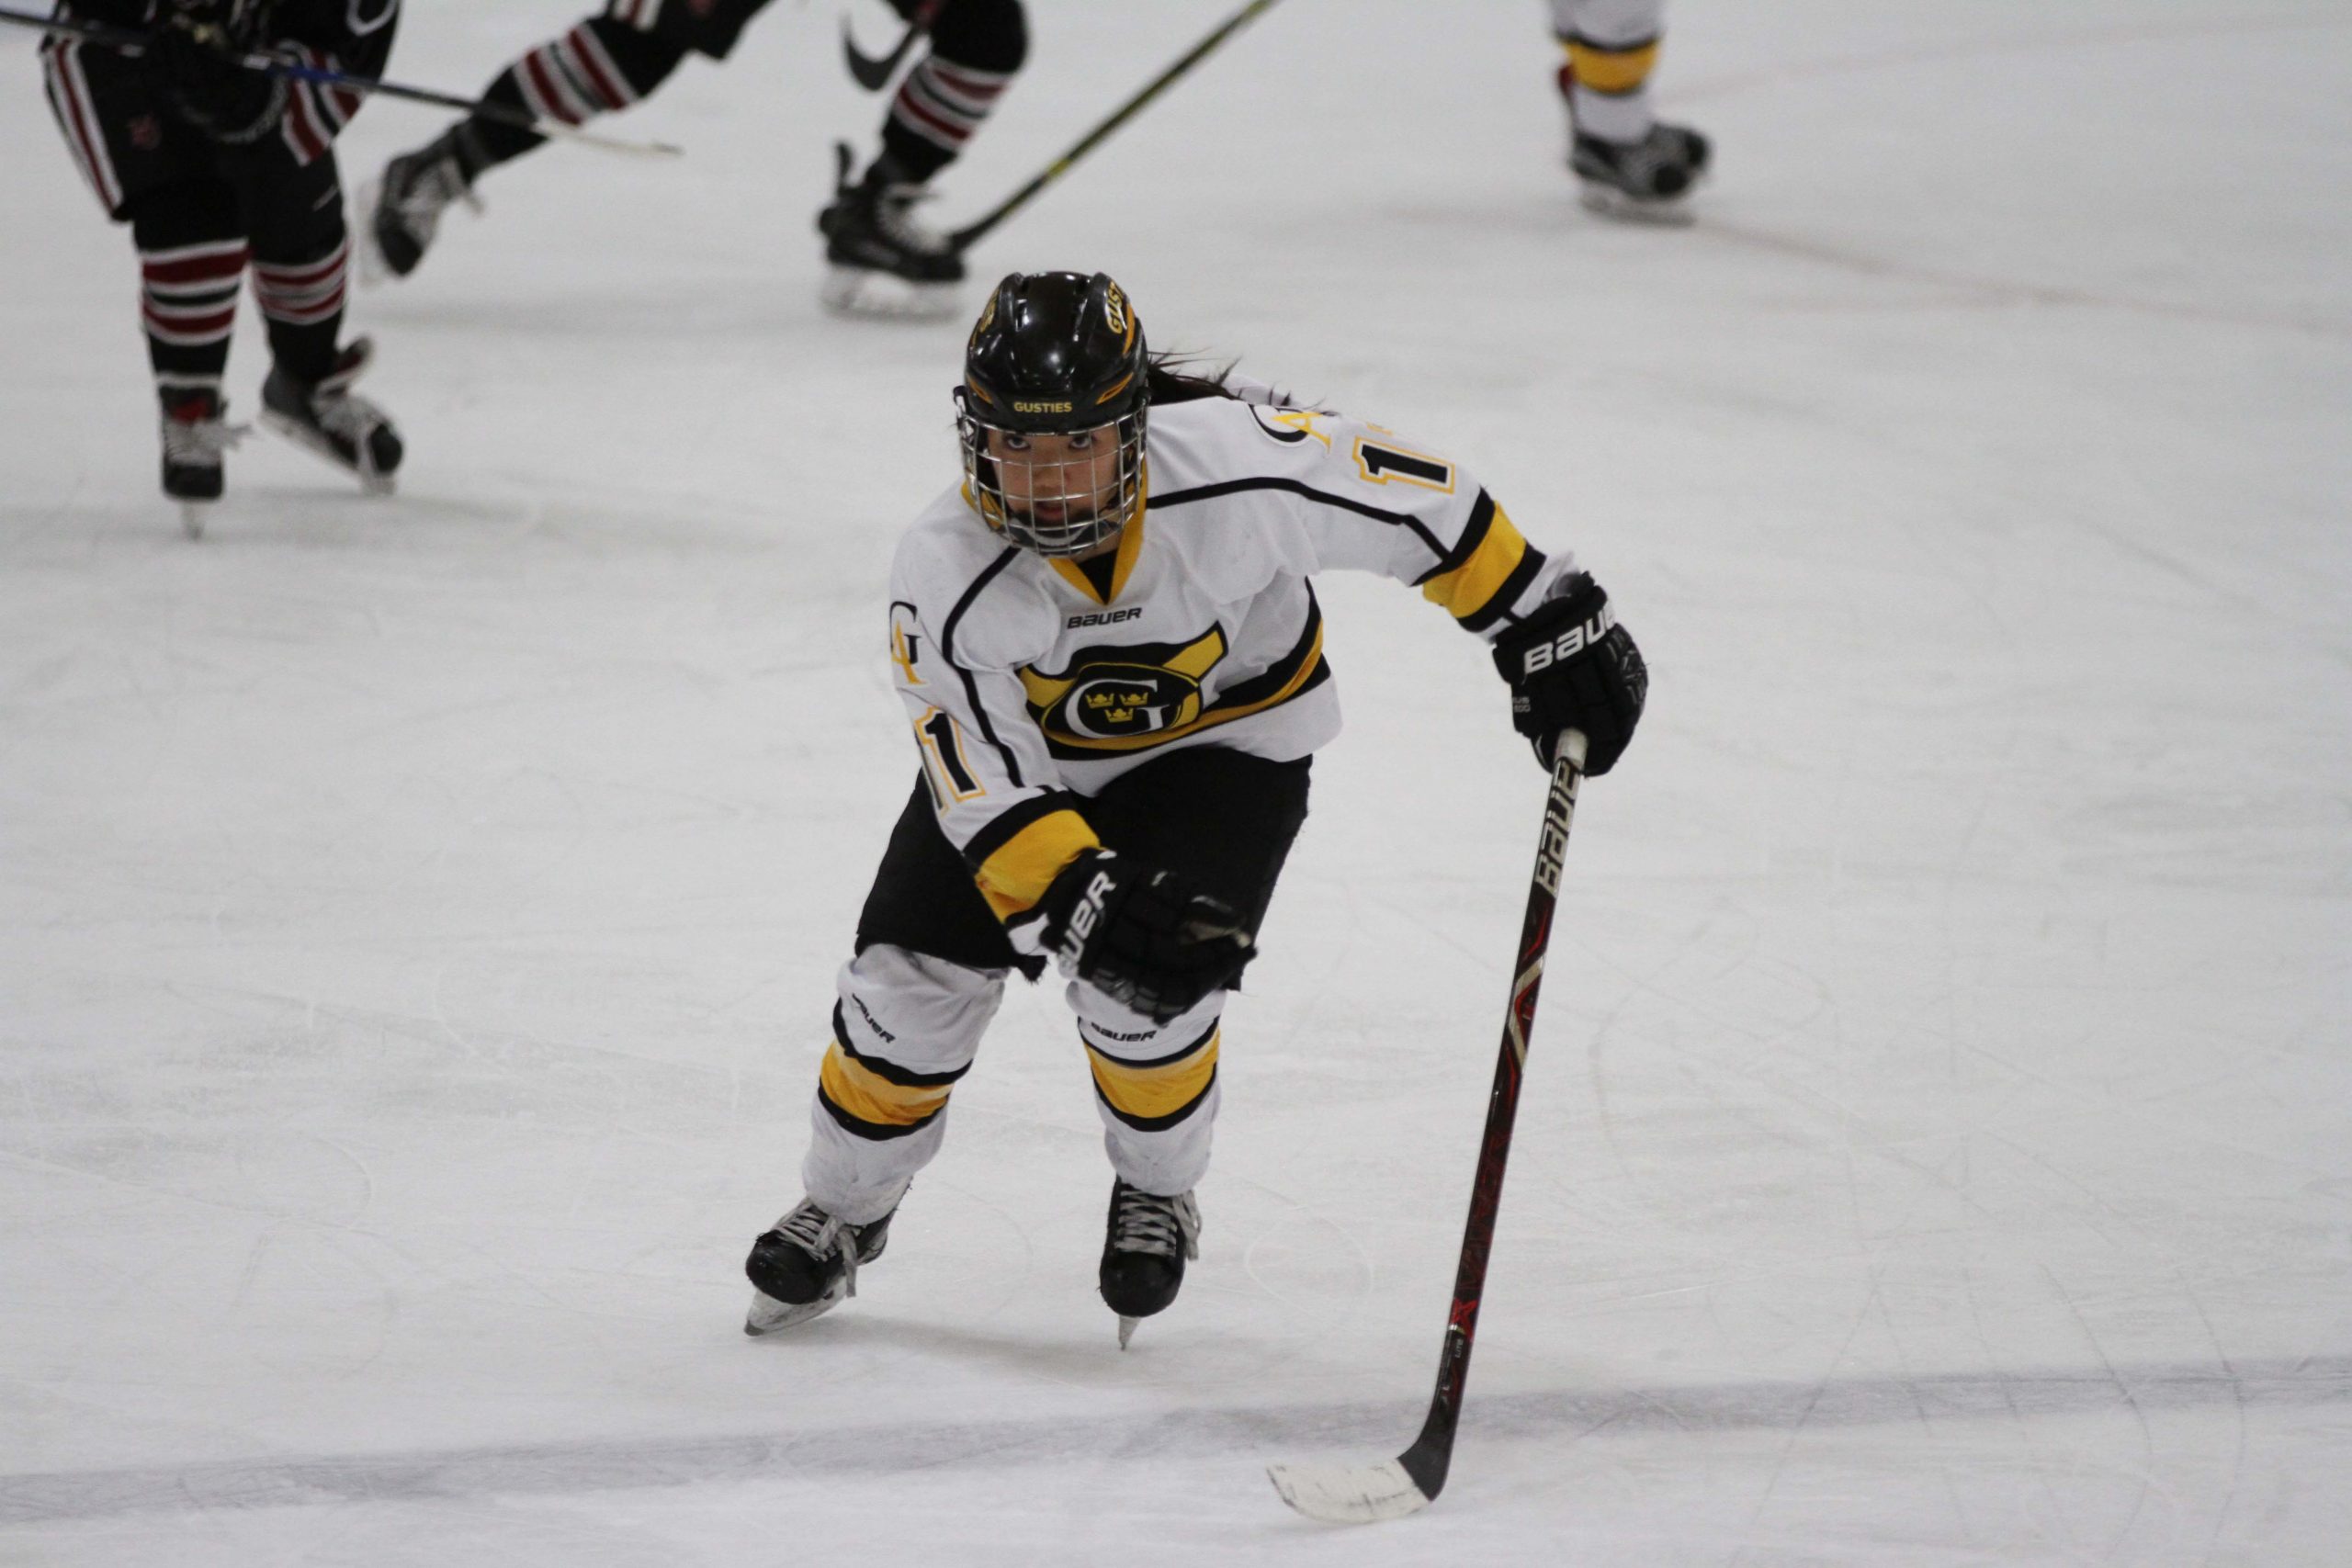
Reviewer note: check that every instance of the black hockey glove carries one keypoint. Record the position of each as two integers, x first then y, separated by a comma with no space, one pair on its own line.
1148,939
198,62
1571,666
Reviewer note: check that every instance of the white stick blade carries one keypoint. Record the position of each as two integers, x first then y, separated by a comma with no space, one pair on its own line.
1348,1494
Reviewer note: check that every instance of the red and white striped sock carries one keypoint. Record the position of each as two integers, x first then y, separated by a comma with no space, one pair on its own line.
945,104
303,303
187,297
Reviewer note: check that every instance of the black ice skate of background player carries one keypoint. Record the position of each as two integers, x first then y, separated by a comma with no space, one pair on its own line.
1108,643
216,168
881,258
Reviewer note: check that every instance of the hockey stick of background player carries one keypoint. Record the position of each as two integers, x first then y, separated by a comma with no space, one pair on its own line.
963,238
1362,1494
873,72
128,42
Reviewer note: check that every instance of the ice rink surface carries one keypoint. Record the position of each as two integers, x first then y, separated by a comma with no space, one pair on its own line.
417,918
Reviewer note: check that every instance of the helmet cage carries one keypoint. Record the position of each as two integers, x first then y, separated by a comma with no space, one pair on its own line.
1087,520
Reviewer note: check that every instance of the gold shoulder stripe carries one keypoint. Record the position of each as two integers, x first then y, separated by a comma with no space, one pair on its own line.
1470,587
1016,876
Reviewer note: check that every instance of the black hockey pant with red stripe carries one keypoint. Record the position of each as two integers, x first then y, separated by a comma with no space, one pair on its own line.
200,213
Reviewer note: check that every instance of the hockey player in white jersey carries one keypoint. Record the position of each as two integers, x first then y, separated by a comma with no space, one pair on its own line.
1107,642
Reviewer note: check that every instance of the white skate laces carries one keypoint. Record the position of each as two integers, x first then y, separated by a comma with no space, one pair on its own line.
199,443
819,1235
1146,1222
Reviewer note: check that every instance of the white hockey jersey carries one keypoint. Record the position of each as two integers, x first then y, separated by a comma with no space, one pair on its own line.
1030,690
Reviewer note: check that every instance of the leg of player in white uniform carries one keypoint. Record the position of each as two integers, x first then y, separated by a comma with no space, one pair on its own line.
905,1029
930,971
1627,163
1156,1087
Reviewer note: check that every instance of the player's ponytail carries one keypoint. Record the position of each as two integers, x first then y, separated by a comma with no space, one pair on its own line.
1186,378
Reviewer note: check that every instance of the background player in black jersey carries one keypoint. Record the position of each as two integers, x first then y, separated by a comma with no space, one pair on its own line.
216,167
1108,642
611,60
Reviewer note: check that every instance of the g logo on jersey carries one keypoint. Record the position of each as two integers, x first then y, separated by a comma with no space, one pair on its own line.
1113,701
1113,698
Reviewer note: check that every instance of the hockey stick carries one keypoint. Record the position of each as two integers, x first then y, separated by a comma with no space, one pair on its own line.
873,72
1362,1494
128,41
963,238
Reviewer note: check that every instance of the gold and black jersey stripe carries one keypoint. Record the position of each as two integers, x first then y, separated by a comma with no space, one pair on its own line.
1016,857
1485,571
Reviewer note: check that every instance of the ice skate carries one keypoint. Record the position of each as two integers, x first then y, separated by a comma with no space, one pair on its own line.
882,262
349,431
807,1266
404,206
195,433
1143,1254
1648,181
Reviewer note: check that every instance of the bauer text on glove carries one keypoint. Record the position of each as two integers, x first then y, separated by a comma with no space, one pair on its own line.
1571,666
1149,939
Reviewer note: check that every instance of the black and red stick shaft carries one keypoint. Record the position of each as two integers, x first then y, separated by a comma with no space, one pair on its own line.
1394,1488
1433,1452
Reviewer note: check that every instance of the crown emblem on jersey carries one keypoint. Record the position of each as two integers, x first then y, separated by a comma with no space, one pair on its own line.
1118,706
1114,696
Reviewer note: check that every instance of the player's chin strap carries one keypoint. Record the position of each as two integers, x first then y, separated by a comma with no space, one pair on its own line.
130,42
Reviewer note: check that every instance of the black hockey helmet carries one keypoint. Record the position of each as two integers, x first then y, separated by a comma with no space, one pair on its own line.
1056,354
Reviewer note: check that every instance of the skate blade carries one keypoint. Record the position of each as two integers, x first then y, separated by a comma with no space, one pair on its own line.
372,481
1126,1329
860,291
769,1316
1663,212
193,516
